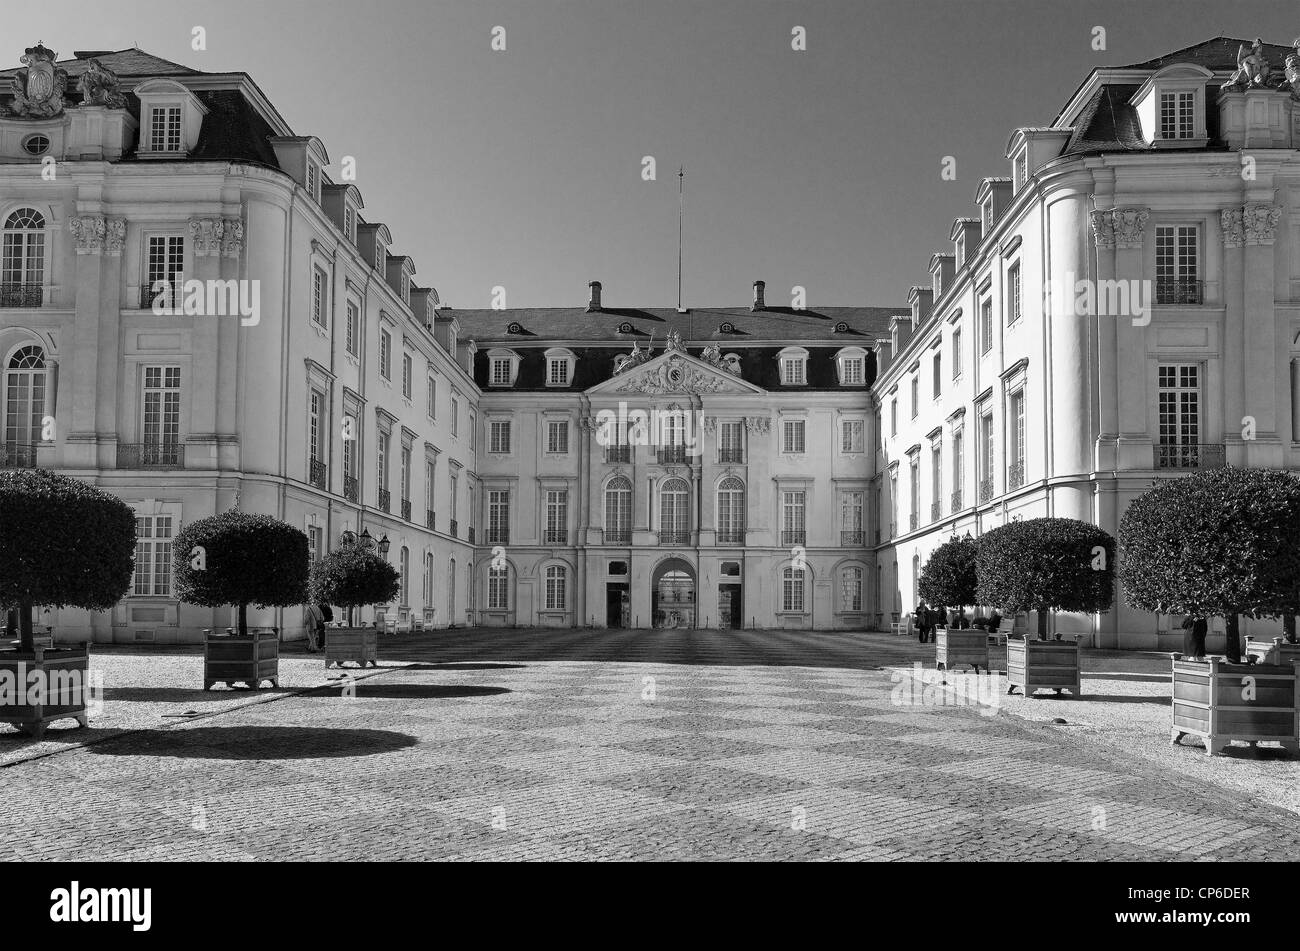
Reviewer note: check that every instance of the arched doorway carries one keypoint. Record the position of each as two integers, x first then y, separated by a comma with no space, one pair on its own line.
24,406
673,598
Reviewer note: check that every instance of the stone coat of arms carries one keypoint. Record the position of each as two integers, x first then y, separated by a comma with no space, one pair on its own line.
38,89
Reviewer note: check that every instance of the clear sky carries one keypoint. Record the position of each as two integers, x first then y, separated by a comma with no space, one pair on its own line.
523,168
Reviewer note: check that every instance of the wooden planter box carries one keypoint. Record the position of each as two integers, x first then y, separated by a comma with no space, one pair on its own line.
1277,651
241,658
358,644
1216,701
65,680
956,647
1033,664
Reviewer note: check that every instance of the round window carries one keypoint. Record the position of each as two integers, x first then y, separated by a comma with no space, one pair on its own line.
36,144
514,329
841,328
727,328
625,328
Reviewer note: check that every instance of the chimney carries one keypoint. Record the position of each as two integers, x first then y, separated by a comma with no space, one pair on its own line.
758,296
593,305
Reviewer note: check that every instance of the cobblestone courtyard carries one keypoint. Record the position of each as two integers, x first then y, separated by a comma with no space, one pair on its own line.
595,745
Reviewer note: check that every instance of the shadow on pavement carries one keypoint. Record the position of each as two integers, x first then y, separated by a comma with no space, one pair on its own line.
255,742
388,691
466,667
168,694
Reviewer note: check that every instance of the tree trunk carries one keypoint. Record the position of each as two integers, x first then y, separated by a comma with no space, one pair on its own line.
1042,624
1232,650
1288,627
25,626
243,619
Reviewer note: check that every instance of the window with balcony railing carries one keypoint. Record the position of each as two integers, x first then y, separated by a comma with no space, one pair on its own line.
453,527
853,538
731,454
1189,456
1015,475
731,536
21,295
496,536
406,509
674,538
351,488
618,453
556,536
986,489
430,519
150,456
318,474
18,456
617,536
1180,291
956,501
793,537
672,454
385,500
912,522
936,510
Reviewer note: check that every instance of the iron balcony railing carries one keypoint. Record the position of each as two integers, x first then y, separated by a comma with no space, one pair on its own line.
351,488
430,519
453,527
406,510
148,455
169,298
875,536
385,500
18,456
853,538
672,454
936,510
912,521
956,501
618,453
1015,475
496,536
21,295
1182,290
1189,456
796,537
318,474
674,538
731,536
617,536
556,536
986,489
731,454
471,534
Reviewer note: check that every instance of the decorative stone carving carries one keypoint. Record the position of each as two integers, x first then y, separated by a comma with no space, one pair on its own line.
98,86
1252,68
114,236
89,232
674,344
205,235
710,424
674,376
232,238
1230,222
38,89
1128,225
758,424
626,361
712,355
1103,229
1259,223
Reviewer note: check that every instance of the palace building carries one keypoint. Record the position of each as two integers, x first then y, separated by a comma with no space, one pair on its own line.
196,316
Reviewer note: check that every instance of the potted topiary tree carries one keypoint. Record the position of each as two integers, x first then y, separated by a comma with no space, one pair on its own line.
66,544
1045,565
1222,542
949,578
351,577
238,558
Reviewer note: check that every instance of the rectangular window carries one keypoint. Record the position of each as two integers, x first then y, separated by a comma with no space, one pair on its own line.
794,506
499,440
792,598
353,333
1013,293
385,354
956,353
893,417
406,474
499,589
938,374
349,458
794,371
316,426
1022,169
160,427
731,442
501,371
852,514
1177,264
1177,115
557,372
430,484
382,460
854,373
473,430
455,416
851,589
792,439
986,447
407,382
153,556
557,436
986,325
498,516
1179,407
431,405
916,394
557,596
318,297
1017,428
852,435
166,268
313,181
914,487
958,466
557,515
453,485
936,472
349,223
315,542
165,129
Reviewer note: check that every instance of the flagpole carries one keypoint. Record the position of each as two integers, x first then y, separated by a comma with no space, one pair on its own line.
681,176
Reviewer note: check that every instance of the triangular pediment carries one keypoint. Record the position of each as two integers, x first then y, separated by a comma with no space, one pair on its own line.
672,372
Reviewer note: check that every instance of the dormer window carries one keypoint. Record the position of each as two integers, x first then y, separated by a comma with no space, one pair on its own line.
380,253
793,362
851,364
1170,106
986,213
559,367
349,223
503,367
1177,115
959,255
170,118
313,180
1021,169
165,129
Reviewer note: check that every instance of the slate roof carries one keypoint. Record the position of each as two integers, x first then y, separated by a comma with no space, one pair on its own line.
1217,54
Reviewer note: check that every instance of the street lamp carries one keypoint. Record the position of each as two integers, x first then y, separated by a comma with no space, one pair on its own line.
366,541
383,547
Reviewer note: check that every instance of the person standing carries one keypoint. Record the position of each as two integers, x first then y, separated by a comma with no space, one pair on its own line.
923,621
1194,633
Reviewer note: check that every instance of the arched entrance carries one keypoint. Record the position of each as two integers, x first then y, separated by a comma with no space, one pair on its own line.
673,598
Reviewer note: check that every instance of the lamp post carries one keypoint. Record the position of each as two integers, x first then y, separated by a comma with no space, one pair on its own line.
383,547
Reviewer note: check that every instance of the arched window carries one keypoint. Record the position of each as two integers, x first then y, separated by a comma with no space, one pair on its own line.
24,403
499,588
618,510
850,588
404,561
675,512
731,511
557,584
792,590
22,263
